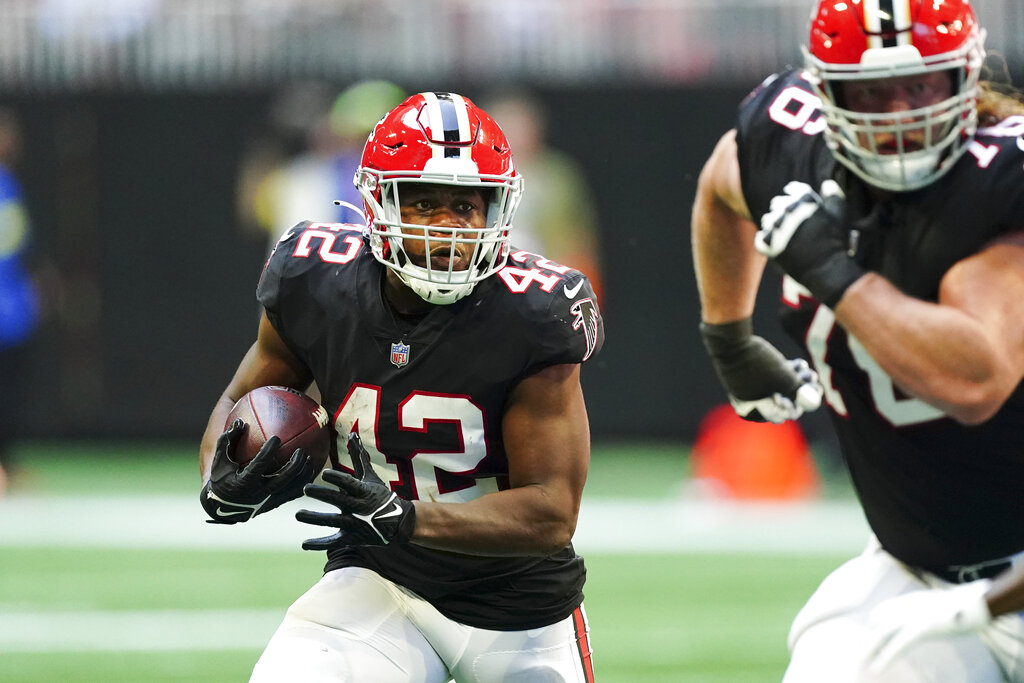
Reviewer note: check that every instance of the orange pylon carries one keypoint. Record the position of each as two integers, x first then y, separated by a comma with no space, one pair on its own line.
753,460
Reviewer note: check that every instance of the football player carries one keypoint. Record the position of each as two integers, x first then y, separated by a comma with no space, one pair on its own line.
450,363
887,184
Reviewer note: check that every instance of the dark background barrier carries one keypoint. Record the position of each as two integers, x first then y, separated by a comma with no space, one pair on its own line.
132,197
136,116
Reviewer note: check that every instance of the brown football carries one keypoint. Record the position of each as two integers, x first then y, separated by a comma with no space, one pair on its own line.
292,416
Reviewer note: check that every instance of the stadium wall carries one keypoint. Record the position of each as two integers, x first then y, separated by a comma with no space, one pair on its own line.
151,293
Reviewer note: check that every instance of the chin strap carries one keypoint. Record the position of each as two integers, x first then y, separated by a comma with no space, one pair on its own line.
435,294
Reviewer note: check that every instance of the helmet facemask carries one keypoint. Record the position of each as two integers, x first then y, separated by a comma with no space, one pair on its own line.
488,245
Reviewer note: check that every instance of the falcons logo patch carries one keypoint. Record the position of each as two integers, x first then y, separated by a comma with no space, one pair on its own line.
586,317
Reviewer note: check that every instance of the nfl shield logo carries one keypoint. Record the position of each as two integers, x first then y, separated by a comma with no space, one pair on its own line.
399,354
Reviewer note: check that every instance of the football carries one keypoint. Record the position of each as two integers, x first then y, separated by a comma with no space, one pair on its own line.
292,416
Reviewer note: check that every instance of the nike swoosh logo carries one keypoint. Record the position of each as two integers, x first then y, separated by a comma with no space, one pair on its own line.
396,510
1020,143
570,293
221,512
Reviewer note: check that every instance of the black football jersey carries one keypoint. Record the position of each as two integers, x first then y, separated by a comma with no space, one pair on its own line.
427,397
935,492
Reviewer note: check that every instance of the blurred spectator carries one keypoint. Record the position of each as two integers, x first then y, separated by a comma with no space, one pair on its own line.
19,299
276,190
283,136
557,216
278,187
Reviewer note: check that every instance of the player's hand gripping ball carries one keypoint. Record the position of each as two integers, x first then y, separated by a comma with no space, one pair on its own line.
276,440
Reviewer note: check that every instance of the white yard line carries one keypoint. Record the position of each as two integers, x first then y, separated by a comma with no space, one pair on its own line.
157,630
673,526
177,522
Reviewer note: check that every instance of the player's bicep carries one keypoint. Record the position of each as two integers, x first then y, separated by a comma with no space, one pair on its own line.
989,287
727,266
547,436
268,362
719,187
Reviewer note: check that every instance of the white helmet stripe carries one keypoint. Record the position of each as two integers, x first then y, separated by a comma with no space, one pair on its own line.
901,21
448,119
887,22
872,15
432,119
901,15
462,116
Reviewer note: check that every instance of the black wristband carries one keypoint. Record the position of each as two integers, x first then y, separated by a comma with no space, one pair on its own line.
830,280
724,339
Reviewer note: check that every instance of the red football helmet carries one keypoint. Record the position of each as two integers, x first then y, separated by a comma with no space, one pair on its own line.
871,39
438,137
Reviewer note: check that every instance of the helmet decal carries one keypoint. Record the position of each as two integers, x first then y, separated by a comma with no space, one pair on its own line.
445,120
887,22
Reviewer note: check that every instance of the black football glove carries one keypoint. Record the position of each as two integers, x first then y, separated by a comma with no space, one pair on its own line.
370,513
237,495
763,386
803,234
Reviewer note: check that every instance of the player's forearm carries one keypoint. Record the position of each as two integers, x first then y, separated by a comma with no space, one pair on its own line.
1007,593
521,521
214,428
933,352
727,267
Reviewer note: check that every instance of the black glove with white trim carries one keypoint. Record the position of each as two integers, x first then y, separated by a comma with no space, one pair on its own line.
237,495
803,233
370,513
763,386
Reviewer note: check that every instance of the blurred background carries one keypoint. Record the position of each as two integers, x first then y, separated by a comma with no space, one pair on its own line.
152,150
149,129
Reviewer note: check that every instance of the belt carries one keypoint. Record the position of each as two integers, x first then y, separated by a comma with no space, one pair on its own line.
962,573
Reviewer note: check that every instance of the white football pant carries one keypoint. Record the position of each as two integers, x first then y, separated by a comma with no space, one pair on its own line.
830,636
354,625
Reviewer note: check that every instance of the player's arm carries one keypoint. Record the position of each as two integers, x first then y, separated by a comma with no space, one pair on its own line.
727,265
762,385
963,354
267,362
1007,592
547,444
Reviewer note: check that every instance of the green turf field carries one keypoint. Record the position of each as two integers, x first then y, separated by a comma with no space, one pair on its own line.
202,615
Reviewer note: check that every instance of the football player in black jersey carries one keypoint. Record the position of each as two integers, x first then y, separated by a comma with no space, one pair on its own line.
450,363
887,184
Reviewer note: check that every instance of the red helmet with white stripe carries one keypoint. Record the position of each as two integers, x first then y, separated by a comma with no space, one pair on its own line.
443,138
871,39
